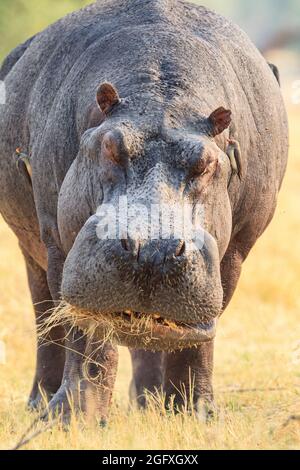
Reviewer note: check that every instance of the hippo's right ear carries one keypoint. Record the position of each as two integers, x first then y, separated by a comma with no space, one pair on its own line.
107,96
219,120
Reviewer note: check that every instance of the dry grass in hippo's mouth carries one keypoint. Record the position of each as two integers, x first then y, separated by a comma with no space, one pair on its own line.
132,329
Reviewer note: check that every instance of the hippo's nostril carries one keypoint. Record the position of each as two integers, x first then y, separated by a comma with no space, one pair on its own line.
138,251
180,249
125,244
132,246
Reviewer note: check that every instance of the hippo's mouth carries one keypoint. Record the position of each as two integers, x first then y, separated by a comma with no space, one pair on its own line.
144,331
134,329
163,329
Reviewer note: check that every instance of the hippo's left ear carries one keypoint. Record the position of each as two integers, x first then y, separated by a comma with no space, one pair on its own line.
219,120
107,96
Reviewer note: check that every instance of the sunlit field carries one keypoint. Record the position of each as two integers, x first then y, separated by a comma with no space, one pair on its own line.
257,360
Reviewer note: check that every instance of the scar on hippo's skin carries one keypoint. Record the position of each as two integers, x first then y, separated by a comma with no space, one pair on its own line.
107,97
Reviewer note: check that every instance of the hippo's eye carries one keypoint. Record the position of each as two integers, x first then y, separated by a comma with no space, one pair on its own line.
113,148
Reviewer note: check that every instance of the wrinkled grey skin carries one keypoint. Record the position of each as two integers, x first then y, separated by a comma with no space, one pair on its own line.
173,64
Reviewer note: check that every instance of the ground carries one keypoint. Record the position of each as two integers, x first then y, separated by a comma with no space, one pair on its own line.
257,360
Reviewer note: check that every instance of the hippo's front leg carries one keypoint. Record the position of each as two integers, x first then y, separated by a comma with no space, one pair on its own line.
90,368
188,380
88,381
192,369
50,353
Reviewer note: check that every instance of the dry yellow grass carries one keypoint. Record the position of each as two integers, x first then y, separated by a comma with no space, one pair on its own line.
257,363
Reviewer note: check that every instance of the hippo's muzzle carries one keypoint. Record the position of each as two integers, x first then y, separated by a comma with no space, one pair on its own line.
152,294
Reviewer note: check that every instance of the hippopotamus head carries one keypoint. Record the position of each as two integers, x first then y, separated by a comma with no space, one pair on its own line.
145,219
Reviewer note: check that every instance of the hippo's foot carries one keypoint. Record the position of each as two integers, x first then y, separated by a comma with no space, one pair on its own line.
206,410
69,400
80,398
37,401
41,395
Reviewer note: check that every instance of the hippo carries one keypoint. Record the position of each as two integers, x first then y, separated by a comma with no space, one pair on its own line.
151,104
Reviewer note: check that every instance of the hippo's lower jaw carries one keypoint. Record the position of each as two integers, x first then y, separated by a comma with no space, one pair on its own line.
152,334
136,330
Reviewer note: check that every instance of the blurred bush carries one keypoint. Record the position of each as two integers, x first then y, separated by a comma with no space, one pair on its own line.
20,19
